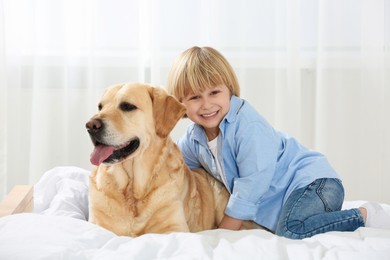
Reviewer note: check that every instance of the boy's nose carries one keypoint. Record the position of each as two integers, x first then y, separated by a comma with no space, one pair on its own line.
206,104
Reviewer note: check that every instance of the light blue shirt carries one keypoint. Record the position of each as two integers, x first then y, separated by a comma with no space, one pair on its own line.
262,166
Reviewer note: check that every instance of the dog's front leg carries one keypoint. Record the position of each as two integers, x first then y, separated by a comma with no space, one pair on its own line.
168,219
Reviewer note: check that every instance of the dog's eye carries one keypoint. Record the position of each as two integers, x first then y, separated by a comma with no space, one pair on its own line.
100,106
124,106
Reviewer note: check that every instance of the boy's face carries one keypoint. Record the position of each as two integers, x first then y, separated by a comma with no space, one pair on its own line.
208,108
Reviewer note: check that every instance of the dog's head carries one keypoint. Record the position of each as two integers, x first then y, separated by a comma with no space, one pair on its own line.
129,116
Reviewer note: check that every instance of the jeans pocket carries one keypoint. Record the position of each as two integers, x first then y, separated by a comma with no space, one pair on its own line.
331,192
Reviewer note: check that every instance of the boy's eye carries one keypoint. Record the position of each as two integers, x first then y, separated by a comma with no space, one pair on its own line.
215,92
193,98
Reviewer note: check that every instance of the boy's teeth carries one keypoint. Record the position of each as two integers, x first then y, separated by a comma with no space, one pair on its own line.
209,115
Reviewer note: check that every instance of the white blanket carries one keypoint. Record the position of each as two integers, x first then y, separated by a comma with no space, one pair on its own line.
58,230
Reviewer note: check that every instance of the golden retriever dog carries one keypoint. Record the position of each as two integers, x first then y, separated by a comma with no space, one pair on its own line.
140,183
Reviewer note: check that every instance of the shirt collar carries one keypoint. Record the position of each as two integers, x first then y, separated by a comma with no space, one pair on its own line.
235,105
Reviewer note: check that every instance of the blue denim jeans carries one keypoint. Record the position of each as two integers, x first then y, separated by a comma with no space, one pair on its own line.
316,209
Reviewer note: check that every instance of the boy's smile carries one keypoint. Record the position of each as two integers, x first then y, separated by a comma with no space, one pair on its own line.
209,116
208,108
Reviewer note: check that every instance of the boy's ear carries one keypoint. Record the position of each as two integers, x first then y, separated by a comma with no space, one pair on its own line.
167,111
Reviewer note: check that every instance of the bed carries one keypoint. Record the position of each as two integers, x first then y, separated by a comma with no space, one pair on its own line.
49,221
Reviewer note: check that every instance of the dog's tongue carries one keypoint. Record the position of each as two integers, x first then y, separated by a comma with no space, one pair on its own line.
101,153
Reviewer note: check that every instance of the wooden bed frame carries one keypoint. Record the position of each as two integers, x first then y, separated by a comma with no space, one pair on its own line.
18,200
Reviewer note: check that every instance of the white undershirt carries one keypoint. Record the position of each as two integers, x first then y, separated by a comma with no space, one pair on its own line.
213,145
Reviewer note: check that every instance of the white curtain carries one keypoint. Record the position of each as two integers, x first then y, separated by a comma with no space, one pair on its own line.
316,69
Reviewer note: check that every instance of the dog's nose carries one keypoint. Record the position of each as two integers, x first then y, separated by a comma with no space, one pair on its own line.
93,125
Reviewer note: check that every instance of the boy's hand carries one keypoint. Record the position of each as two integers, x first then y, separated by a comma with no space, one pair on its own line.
230,223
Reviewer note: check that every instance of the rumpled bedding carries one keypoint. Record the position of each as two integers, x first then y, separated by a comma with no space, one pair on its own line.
58,229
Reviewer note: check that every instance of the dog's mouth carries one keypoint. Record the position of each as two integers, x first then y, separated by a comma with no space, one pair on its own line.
112,154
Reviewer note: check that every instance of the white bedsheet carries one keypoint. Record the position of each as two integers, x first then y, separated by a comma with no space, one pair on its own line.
58,230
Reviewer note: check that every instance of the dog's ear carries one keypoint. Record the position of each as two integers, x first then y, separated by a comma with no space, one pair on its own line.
167,110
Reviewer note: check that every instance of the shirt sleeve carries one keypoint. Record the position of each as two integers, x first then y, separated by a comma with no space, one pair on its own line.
256,157
187,148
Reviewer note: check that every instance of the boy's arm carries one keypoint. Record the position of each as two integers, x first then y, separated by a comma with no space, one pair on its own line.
230,223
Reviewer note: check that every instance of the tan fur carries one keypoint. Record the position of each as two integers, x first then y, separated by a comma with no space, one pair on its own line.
152,190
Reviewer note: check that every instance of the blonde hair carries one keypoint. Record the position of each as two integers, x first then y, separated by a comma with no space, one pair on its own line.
199,68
